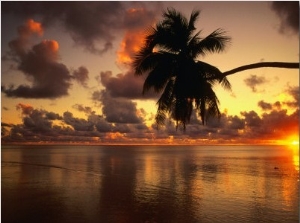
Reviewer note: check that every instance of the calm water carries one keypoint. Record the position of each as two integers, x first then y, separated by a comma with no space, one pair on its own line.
149,184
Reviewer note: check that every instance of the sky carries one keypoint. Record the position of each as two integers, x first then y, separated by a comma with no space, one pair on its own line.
66,75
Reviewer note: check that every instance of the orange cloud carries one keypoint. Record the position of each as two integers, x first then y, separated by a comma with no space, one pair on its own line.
29,28
34,27
130,45
52,44
25,32
114,136
49,49
137,20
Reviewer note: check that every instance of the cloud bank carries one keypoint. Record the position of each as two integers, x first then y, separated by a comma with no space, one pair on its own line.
122,122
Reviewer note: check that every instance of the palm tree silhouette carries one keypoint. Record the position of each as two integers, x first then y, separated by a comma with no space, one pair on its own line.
169,58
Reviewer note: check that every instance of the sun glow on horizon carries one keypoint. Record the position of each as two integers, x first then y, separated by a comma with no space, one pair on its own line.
292,140
295,142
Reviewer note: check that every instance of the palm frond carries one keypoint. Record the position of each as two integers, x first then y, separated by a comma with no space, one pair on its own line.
192,44
165,39
225,83
157,78
144,61
213,74
174,20
165,103
182,111
212,107
215,42
193,18
202,109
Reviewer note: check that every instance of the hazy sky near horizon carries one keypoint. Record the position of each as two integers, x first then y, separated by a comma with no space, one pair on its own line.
65,74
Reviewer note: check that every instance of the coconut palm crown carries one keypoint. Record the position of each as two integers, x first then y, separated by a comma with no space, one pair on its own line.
169,58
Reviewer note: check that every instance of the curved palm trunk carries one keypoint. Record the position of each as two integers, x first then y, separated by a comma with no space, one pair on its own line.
263,64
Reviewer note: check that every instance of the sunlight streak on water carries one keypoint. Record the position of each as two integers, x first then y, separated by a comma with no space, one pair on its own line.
296,156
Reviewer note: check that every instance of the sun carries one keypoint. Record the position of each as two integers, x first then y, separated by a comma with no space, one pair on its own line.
294,142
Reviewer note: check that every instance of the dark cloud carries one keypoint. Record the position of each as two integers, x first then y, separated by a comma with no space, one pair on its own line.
274,125
81,75
264,105
280,124
101,124
5,129
38,125
125,85
119,110
78,124
294,93
48,77
288,13
252,119
235,122
293,103
52,116
25,108
86,109
90,24
249,128
93,25
96,96
37,120
253,81
277,105
40,65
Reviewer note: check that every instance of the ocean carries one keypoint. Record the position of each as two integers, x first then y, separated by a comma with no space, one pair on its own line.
147,184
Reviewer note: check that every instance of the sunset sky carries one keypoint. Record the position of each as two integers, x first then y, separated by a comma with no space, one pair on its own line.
65,75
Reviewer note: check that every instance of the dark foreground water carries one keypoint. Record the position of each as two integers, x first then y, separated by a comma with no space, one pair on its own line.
149,184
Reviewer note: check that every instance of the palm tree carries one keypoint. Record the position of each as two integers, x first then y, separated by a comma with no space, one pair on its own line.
169,58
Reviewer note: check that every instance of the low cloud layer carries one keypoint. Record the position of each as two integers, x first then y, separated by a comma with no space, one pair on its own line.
122,122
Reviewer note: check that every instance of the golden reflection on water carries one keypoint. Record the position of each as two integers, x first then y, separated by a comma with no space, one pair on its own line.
296,156
201,185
